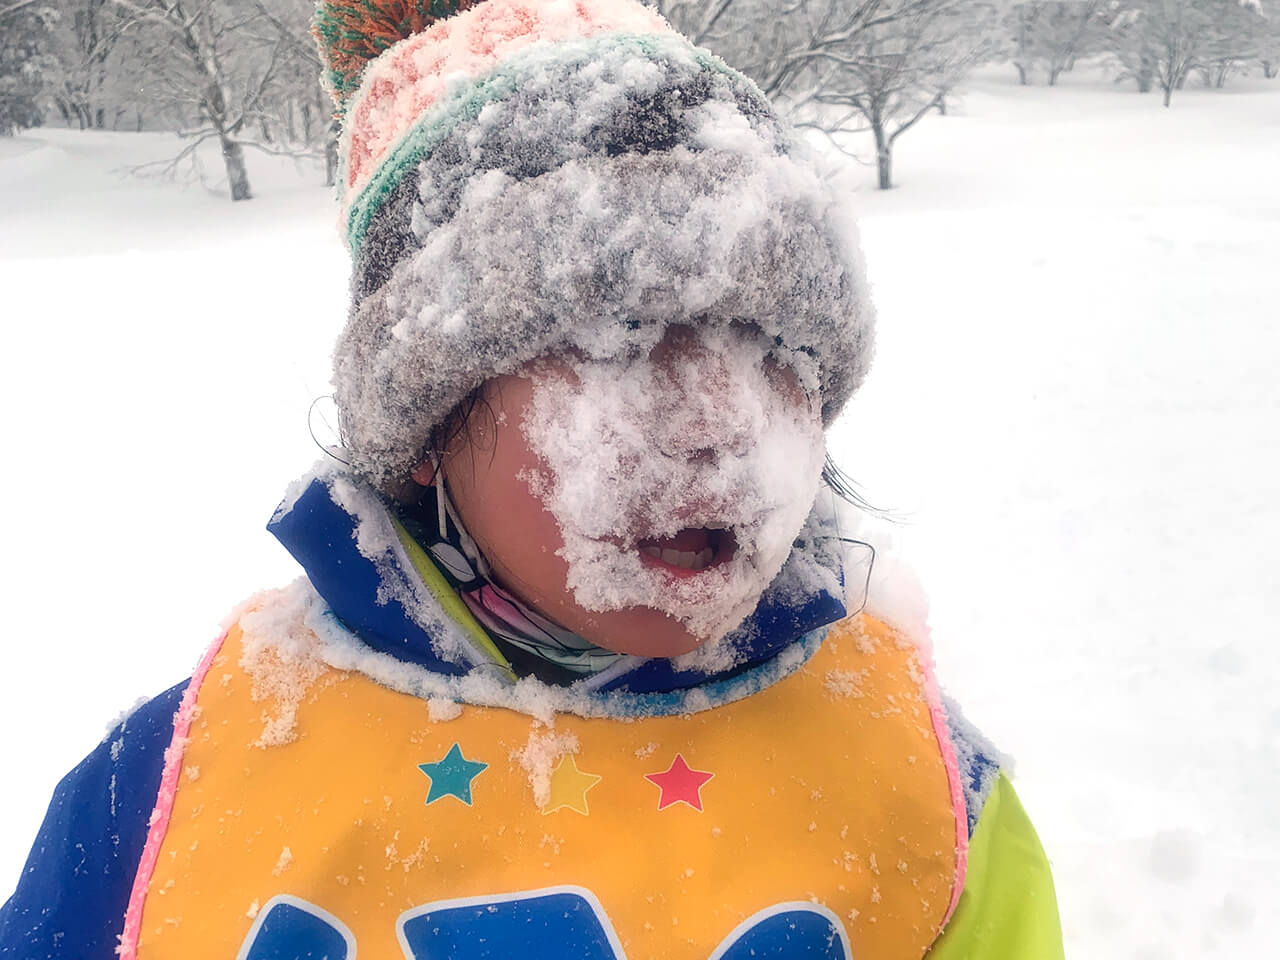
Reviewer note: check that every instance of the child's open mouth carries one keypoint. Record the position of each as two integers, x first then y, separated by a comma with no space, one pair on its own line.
690,551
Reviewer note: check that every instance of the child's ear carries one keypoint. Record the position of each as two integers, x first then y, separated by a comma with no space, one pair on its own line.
424,474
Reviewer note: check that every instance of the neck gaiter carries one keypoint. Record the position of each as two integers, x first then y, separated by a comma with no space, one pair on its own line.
535,645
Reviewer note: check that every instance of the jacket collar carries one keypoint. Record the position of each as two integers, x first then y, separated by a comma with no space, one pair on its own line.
342,534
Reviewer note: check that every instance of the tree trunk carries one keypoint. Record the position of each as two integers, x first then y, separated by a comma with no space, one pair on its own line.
1146,75
331,156
1168,93
1269,69
237,175
884,156
330,163
1022,74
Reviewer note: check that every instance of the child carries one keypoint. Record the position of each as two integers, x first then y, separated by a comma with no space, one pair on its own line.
571,674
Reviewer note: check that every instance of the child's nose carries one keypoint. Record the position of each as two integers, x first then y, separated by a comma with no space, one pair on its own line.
703,423
701,418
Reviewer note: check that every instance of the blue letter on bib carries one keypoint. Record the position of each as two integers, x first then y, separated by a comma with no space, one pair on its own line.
556,924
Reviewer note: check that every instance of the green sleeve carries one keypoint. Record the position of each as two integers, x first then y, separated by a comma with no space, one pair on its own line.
1008,910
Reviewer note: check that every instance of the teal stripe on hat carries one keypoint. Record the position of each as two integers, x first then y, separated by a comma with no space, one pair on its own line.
465,105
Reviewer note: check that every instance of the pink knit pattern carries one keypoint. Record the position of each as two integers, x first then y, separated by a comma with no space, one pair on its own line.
407,79
168,793
943,733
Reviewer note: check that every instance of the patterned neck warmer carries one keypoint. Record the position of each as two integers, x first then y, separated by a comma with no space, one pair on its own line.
534,645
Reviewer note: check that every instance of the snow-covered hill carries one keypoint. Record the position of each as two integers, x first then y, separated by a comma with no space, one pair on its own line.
1074,402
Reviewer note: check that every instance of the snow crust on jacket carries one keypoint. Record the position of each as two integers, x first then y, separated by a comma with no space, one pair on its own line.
435,658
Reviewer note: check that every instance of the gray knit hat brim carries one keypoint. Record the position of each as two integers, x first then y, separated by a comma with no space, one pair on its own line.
601,254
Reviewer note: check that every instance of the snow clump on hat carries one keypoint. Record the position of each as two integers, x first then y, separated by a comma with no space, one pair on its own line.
523,176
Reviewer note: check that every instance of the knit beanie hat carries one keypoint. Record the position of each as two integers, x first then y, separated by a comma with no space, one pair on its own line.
520,176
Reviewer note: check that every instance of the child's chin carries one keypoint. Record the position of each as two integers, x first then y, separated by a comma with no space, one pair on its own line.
642,632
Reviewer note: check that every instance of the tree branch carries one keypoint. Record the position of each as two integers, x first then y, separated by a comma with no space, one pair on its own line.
15,7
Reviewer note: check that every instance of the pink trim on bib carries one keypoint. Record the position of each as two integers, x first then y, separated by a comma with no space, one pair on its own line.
165,797
943,733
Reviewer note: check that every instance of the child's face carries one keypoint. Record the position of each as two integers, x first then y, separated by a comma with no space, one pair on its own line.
642,503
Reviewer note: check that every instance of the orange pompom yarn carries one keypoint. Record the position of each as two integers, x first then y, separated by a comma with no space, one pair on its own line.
350,33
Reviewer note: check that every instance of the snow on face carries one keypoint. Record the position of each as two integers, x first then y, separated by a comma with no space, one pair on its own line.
679,479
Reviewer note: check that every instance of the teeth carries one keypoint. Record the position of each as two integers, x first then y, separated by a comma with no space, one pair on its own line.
717,526
685,559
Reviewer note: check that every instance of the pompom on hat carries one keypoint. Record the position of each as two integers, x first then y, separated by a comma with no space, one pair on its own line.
519,176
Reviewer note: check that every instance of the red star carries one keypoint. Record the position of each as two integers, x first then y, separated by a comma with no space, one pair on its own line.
680,784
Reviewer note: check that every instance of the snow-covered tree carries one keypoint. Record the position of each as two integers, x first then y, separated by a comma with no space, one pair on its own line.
1160,42
842,66
700,20
1269,42
1050,35
211,62
296,115
1235,39
242,72
92,86
893,73
25,62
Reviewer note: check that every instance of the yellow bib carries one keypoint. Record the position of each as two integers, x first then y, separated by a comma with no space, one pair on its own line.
826,791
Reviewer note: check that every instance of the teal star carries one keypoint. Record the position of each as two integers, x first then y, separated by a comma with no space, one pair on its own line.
452,776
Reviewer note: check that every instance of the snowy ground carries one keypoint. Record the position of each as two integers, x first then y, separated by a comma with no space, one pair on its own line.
1075,404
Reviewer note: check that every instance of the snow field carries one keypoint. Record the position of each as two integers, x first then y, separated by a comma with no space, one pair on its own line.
156,406
1075,400
1074,403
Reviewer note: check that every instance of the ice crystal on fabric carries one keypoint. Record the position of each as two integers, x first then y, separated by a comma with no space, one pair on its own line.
326,640
442,709
539,756
279,658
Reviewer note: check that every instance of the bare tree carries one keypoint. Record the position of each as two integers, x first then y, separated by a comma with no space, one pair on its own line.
1022,41
1269,42
699,20
1051,34
17,6
1236,38
783,44
26,62
1163,41
844,66
214,62
893,73
297,114
88,90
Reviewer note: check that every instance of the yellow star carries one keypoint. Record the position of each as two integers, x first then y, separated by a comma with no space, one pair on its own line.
569,786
